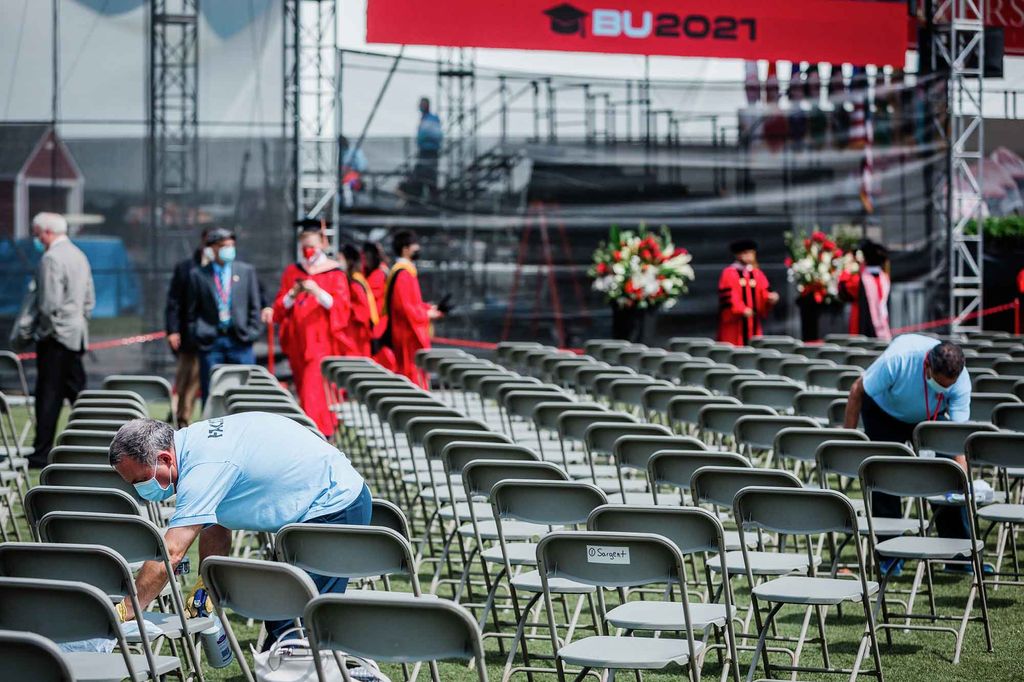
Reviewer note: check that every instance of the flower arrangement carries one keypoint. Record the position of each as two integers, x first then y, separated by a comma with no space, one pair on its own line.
637,268
815,263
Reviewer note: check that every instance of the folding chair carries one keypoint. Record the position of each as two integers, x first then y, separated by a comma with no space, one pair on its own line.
674,468
386,514
136,540
153,389
694,531
90,476
805,513
801,443
27,656
721,381
92,564
780,395
616,560
830,378
599,439
632,452
771,365
100,439
262,590
815,404
946,439
982,404
1005,453
1009,416
684,411
80,454
43,499
392,628
716,422
14,386
921,478
784,344
757,433
656,399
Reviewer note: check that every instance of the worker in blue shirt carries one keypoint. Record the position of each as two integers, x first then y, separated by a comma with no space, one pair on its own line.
253,471
916,379
429,138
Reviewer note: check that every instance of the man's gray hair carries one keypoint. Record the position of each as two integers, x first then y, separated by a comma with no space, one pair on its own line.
141,440
54,223
947,359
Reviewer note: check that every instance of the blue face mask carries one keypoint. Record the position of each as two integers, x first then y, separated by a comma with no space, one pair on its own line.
227,254
152,491
938,388
38,244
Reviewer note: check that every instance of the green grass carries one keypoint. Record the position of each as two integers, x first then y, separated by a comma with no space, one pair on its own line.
913,656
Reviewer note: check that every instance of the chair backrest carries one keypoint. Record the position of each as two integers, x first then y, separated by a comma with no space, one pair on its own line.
522,403
946,438
121,414
759,432
982,404
719,485
816,403
395,628
793,511
416,429
676,467
60,610
552,503
612,560
345,551
12,374
1009,416
87,476
658,397
43,499
97,439
399,416
721,419
686,409
912,476
436,440
80,454
1002,450
387,514
573,425
720,381
457,454
773,393
264,590
802,442
151,388
481,475
28,656
844,458
995,384
600,437
78,424
132,537
545,415
635,451
692,529
837,412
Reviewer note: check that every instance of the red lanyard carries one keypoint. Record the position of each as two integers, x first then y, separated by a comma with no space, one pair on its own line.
929,416
223,292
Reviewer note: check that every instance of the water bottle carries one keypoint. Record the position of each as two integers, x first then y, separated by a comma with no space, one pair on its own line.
216,647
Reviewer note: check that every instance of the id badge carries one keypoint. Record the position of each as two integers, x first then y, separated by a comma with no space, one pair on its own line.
225,316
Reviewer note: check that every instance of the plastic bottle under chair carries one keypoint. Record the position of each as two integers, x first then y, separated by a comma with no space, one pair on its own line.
216,647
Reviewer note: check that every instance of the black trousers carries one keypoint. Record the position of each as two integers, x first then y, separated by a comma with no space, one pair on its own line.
879,425
59,377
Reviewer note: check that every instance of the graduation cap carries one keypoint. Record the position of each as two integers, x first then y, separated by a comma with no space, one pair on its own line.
311,224
566,19
741,245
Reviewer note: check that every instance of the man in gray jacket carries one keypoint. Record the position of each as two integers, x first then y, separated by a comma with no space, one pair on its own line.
65,299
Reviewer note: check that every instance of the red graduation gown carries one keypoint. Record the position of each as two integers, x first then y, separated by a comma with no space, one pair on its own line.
309,332
410,325
739,289
378,280
364,316
849,290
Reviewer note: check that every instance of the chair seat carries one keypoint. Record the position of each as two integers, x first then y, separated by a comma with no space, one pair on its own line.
1003,513
482,509
513,530
170,624
519,554
630,485
646,498
732,540
20,452
665,615
887,526
917,547
600,470
628,653
20,400
805,590
440,494
530,582
97,667
764,563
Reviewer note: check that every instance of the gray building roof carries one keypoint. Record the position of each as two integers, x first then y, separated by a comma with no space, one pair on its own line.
17,140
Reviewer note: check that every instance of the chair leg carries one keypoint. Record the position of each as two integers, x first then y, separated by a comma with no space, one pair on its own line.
760,650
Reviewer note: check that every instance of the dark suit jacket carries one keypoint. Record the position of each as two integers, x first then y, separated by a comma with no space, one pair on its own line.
245,305
176,311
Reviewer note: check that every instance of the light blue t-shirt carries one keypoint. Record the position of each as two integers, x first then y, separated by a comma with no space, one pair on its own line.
258,471
896,382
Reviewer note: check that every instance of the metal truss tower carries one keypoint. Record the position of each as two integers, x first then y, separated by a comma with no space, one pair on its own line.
958,49
456,94
173,134
311,108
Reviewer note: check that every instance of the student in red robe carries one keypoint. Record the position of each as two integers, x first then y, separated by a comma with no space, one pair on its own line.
364,318
407,328
312,308
745,296
375,268
868,291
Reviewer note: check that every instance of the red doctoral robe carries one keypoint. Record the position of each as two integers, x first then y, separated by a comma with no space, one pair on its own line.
851,288
309,332
740,288
410,324
364,315
378,280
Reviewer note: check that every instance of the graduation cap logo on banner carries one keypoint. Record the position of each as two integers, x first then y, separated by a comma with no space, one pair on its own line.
566,19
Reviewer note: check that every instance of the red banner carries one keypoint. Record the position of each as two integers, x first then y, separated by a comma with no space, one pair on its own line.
850,31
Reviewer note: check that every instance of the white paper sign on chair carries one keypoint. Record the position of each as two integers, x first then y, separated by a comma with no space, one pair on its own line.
600,554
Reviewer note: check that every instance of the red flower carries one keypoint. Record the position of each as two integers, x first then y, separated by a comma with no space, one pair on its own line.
807,243
788,262
830,245
818,236
629,289
602,269
616,256
680,251
839,253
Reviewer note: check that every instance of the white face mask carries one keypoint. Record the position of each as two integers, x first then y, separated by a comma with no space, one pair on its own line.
208,254
938,388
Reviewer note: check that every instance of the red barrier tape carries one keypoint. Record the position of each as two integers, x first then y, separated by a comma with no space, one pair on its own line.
950,320
111,343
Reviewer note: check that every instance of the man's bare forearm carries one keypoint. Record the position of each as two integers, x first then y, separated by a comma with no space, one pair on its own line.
853,405
214,541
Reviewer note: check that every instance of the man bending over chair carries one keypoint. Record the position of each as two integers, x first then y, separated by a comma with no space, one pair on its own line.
253,471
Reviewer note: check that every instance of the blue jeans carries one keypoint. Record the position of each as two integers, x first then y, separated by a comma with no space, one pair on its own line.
227,351
356,514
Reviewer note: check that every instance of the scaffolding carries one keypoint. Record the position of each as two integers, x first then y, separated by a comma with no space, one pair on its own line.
311,86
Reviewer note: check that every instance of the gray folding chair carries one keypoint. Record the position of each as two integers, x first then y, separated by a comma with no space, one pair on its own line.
136,540
262,590
633,452
716,422
65,611
80,454
97,439
1009,416
616,560
946,439
28,656
674,468
153,389
92,564
982,404
684,411
387,514
1005,453
922,478
43,499
14,386
392,628
694,531
805,513
780,395
815,404
757,433
801,443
